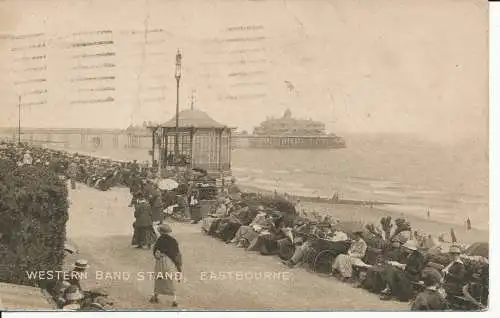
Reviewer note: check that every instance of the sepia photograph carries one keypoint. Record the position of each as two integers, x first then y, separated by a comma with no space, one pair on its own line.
291,155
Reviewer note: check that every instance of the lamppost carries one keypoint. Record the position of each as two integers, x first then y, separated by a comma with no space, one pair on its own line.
178,59
19,121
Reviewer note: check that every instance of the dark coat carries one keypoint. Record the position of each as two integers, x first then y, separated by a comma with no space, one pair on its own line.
400,281
143,214
168,245
429,300
157,207
455,279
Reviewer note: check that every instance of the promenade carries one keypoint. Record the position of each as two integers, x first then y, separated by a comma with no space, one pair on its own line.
216,275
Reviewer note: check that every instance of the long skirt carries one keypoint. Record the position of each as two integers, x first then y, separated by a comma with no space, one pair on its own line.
258,243
245,232
399,282
164,276
230,231
343,264
144,236
196,213
285,248
375,281
208,224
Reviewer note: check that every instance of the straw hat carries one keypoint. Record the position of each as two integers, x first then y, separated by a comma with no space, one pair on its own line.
164,229
81,264
411,245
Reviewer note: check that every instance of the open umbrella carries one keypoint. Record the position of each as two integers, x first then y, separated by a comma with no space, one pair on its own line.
167,184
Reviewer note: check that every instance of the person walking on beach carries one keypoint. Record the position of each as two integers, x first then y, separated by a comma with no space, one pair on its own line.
469,224
168,260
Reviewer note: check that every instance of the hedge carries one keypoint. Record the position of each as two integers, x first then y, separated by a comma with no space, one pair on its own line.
33,216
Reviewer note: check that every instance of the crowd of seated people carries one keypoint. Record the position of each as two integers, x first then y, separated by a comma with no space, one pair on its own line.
399,270
407,265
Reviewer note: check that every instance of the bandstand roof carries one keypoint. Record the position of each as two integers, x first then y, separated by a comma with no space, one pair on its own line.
193,118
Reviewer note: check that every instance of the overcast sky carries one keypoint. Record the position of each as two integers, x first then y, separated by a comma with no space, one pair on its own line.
359,66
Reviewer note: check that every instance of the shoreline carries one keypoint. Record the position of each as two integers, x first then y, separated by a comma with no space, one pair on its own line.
347,211
366,214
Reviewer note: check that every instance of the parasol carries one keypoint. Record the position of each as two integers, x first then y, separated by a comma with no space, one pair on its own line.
478,249
167,184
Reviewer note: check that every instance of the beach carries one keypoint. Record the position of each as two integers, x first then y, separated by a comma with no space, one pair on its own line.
366,214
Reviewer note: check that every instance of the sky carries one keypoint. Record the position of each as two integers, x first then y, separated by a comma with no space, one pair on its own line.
385,66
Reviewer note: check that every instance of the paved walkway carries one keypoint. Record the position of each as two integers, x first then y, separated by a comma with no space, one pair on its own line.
100,225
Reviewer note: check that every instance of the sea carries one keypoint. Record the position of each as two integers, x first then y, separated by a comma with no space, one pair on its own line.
448,180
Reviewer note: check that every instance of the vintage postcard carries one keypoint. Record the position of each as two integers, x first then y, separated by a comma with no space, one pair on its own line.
244,155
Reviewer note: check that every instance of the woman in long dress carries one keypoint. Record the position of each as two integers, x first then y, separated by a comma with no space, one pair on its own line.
344,262
168,265
144,234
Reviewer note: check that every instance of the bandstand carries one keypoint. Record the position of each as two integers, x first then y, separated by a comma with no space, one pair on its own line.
202,143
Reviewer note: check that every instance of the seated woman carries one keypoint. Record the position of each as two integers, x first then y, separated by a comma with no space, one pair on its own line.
343,263
398,276
374,280
291,238
247,233
237,218
210,223
454,273
268,234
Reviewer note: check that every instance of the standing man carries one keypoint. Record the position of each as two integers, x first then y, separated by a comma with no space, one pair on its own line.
72,173
144,233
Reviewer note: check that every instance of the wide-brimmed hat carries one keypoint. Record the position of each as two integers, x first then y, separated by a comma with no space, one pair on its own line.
411,245
455,249
81,264
164,229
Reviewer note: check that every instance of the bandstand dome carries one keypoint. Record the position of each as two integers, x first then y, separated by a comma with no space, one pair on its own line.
194,118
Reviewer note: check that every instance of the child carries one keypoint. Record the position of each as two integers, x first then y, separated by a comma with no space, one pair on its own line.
430,299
